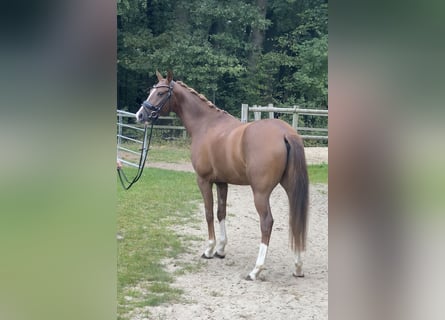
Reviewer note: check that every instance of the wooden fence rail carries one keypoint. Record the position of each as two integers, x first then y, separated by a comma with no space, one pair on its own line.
294,110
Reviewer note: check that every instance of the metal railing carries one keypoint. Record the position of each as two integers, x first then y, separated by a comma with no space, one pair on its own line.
123,138
130,135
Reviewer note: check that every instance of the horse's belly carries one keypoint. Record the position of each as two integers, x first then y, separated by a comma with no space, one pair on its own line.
231,176
230,167
223,159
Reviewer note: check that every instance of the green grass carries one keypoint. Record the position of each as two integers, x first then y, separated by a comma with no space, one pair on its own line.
172,153
160,199
318,173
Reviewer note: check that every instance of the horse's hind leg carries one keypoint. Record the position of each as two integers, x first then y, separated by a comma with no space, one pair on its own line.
266,222
298,265
206,190
222,201
298,261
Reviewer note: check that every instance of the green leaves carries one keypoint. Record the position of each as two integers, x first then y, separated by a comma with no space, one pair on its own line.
209,44
305,58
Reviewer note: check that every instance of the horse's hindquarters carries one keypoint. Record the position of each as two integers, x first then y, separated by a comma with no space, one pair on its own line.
265,154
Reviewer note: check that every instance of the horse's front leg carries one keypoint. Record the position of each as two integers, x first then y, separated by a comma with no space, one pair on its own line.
207,194
221,213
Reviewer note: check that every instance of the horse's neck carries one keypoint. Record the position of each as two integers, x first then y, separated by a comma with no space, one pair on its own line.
196,115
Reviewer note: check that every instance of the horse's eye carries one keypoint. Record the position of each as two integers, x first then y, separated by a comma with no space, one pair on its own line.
160,94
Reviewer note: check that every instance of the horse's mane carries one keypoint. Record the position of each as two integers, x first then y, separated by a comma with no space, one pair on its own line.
200,96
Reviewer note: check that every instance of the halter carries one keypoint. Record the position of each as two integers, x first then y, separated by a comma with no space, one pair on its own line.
153,110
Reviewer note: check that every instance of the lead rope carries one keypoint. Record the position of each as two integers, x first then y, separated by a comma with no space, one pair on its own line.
144,152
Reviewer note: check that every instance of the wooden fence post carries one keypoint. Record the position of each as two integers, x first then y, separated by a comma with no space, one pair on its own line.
271,113
295,119
257,114
244,113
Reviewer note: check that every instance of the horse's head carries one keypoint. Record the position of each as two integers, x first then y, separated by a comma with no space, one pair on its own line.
157,102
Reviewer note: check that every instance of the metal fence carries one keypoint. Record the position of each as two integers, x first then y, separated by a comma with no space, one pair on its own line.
130,135
295,111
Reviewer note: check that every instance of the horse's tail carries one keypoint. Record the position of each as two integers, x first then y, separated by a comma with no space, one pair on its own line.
296,183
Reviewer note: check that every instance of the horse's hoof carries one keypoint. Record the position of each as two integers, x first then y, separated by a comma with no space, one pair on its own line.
219,256
248,278
298,275
205,257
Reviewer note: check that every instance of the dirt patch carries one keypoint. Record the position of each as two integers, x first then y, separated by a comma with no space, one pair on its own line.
219,291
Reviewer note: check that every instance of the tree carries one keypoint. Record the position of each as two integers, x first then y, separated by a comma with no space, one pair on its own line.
251,51
305,53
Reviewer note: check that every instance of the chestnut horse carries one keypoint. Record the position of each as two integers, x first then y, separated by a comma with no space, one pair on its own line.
225,151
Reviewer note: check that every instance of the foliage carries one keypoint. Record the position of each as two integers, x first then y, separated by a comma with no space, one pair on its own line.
305,52
213,47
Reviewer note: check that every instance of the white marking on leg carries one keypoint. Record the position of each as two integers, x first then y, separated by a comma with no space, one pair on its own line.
259,262
298,265
210,249
222,238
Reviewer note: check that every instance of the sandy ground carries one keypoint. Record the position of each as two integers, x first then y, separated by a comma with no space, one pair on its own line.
219,289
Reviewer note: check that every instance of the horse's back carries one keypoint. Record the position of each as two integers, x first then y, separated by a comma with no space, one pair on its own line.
254,153
271,128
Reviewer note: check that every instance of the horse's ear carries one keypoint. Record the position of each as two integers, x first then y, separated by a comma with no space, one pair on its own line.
159,75
169,76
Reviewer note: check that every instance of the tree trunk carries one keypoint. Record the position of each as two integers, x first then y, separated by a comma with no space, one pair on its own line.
258,36
181,16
